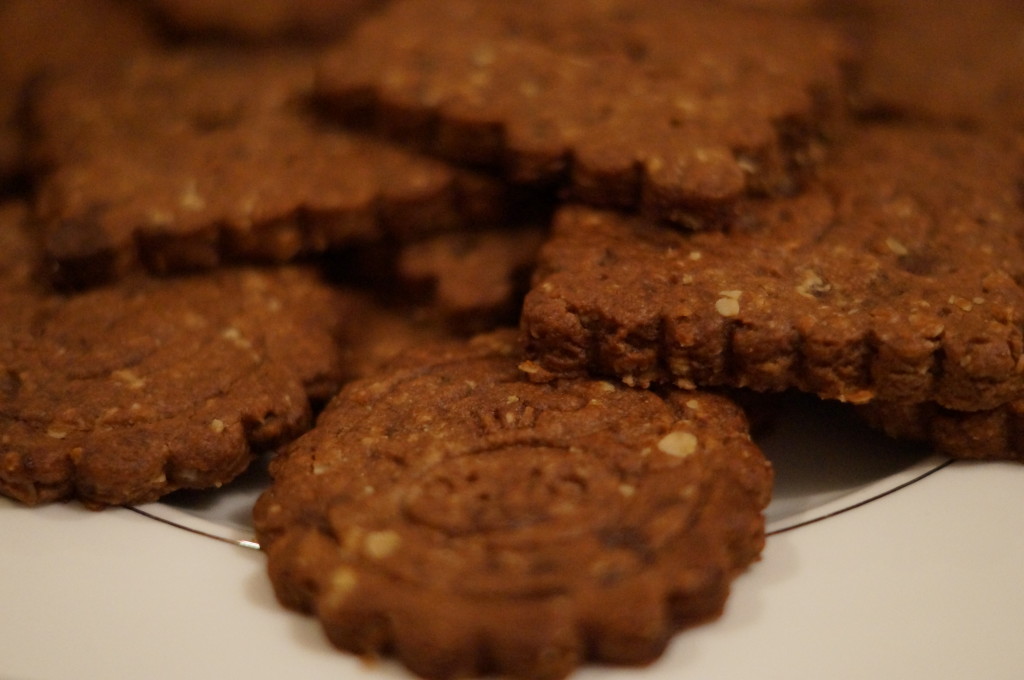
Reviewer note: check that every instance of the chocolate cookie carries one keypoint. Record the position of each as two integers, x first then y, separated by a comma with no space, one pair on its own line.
958,61
40,36
894,278
261,20
676,109
187,160
121,395
457,516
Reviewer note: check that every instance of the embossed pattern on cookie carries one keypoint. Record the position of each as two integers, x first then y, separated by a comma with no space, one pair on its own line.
454,514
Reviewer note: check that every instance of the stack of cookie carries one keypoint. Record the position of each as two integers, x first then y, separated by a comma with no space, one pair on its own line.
485,280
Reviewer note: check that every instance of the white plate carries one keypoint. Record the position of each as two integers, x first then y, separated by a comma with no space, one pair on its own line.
883,562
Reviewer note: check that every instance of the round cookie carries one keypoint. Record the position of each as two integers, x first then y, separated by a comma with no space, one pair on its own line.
121,395
675,109
187,160
455,515
894,277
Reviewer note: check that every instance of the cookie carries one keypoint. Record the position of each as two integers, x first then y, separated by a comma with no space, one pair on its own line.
184,161
260,20
894,278
674,109
467,521
121,395
40,36
991,434
954,61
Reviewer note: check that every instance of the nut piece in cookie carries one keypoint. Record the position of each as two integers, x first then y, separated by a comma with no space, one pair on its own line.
121,395
675,109
185,161
452,513
896,276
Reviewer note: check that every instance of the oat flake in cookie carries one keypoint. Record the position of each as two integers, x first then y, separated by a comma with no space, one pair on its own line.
121,395
454,515
895,277
188,160
674,108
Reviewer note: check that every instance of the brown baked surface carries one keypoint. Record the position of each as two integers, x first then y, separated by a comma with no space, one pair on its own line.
451,513
895,278
261,20
675,109
38,37
121,395
20,252
375,332
470,280
11,138
212,225
185,160
956,61
991,434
